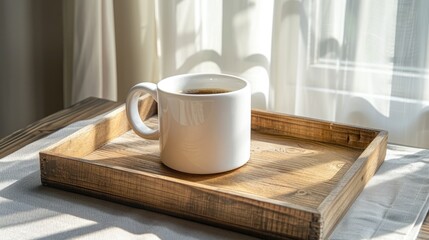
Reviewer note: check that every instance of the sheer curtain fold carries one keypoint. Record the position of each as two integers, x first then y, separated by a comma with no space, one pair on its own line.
356,62
89,49
136,44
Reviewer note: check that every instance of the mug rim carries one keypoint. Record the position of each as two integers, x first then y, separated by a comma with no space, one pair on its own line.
164,81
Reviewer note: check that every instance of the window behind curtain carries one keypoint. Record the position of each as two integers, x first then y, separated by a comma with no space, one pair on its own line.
357,62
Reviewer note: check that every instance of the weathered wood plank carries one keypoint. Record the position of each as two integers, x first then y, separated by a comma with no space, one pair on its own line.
424,231
92,137
307,128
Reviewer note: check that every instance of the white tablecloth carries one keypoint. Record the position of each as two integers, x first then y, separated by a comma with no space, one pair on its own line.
392,206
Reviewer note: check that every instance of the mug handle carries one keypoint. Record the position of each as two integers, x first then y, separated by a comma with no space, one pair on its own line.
133,115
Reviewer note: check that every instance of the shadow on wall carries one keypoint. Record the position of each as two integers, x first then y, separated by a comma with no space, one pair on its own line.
226,57
255,60
401,130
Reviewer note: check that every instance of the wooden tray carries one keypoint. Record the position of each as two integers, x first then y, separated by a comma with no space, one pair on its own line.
302,177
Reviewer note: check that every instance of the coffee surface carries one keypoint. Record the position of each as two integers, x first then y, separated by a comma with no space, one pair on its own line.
205,91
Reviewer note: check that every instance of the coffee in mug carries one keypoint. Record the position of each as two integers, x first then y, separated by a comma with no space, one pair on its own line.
205,91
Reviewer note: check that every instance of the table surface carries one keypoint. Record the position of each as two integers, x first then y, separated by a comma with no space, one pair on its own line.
85,109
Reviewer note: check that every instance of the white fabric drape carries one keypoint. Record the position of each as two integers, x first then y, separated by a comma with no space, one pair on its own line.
89,50
355,62
109,46
136,44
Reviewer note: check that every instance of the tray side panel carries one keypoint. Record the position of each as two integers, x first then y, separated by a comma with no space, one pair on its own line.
184,200
306,128
91,137
335,205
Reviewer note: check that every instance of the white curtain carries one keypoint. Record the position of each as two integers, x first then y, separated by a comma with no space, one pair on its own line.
109,46
89,50
356,62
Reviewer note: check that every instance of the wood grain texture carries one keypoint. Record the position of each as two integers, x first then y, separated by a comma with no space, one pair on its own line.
92,137
306,128
424,231
372,142
296,184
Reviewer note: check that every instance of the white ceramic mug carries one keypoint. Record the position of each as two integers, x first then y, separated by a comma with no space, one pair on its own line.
198,133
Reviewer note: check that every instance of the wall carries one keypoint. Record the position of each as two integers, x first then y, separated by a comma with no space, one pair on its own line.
31,61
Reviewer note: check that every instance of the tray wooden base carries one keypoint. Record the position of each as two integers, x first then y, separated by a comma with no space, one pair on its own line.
302,177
